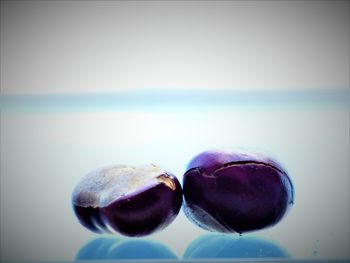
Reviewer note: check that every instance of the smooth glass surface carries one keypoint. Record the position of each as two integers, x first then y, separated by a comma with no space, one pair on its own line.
49,143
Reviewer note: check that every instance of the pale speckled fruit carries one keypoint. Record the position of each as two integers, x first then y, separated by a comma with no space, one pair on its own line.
132,201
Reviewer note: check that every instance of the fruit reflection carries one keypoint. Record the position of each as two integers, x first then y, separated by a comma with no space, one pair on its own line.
113,248
226,246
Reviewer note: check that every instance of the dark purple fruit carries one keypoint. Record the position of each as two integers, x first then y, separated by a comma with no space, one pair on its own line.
133,201
235,192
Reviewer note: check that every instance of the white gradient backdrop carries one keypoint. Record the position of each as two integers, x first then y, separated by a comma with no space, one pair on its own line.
77,46
80,47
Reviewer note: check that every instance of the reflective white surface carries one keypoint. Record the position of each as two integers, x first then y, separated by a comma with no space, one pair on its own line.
44,153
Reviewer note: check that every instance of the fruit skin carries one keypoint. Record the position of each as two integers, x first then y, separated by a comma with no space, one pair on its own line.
91,218
236,192
145,212
141,212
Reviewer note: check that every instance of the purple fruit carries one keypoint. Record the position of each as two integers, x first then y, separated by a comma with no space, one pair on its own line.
133,201
236,192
